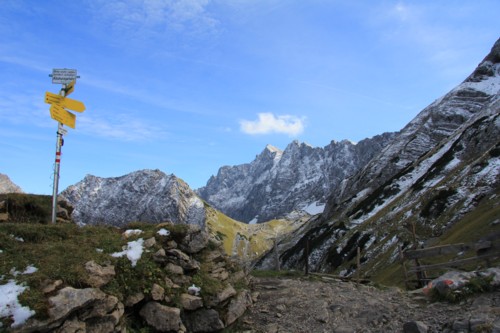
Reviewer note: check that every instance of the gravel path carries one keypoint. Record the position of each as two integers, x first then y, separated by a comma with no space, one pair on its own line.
321,305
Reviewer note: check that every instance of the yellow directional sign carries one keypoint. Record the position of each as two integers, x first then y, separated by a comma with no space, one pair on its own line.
70,87
73,104
61,115
64,102
51,98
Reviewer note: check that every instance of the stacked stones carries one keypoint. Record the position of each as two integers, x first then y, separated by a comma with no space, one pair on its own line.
178,306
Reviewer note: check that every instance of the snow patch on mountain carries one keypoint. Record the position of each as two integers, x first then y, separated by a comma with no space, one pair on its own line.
314,208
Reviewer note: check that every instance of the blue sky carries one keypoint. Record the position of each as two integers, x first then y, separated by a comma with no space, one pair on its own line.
188,86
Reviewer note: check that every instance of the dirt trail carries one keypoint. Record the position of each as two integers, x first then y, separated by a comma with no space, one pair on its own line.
325,305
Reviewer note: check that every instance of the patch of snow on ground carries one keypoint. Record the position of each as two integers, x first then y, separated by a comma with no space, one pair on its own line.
490,172
133,250
10,306
389,243
132,232
19,239
370,241
314,208
163,232
254,220
453,163
30,270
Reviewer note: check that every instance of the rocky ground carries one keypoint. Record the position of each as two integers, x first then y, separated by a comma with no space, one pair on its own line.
320,305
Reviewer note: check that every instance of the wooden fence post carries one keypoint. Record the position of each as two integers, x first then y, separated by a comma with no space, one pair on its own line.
276,255
358,265
307,257
403,265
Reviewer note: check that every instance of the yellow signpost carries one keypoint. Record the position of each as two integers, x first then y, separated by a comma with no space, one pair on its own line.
58,105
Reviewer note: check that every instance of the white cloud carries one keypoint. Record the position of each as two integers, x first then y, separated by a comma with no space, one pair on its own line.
269,123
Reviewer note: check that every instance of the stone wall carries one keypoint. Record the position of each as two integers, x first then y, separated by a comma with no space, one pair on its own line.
178,303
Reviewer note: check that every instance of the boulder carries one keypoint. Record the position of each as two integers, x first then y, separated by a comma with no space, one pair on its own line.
134,299
150,242
102,308
170,284
98,275
182,279
203,320
195,240
100,325
157,292
174,269
179,258
415,327
160,256
171,244
69,299
238,306
222,295
162,318
191,302
72,325
62,213
220,273
49,286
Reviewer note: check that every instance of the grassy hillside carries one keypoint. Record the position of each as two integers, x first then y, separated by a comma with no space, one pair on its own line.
247,241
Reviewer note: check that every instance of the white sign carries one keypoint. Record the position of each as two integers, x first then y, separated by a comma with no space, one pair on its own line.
63,76
62,131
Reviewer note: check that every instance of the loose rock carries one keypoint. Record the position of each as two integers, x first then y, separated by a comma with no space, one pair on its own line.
161,317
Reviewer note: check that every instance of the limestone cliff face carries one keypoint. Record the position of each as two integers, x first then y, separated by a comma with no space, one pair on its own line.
277,182
146,195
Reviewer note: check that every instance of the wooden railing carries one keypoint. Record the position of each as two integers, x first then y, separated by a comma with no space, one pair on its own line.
470,253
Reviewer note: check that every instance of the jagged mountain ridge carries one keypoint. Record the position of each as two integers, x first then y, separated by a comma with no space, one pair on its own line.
145,195
278,182
434,124
7,186
438,171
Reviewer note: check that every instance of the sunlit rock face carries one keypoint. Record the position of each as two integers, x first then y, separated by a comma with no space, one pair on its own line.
298,179
146,195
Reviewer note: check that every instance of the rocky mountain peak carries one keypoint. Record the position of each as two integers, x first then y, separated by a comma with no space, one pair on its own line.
484,78
273,149
278,183
144,195
7,186
494,55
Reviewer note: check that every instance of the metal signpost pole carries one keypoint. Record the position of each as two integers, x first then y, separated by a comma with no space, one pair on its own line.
57,165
